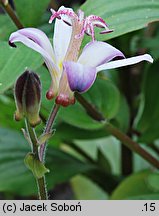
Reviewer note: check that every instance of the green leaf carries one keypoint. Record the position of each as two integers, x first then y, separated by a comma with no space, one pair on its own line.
85,189
7,113
153,180
146,121
123,16
30,11
105,96
14,61
102,161
110,148
66,132
36,166
145,197
134,185
122,117
7,27
45,137
15,177
82,120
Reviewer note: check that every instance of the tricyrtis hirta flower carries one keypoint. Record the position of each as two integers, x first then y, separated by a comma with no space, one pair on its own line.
70,69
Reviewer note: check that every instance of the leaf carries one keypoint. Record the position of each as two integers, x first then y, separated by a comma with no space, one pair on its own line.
14,61
45,137
145,197
30,11
15,177
7,27
153,180
146,121
151,43
122,117
82,120
85,189
66,132
36,166
7,112
105,96
110,148
134,185
123,16
102,161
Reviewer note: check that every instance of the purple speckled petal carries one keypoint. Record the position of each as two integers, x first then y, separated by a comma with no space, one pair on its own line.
38,41
125,62
80,77
38,37
97,53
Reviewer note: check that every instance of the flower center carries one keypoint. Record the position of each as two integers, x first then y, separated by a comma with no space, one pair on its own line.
80,26
65,95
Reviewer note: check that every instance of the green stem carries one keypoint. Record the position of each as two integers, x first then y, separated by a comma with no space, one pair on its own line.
5,4
42,190
41,183
48,129
127,141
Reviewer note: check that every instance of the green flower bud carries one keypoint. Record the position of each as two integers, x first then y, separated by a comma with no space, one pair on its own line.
28,97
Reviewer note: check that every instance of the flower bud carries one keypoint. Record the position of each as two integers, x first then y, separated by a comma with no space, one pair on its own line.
28,97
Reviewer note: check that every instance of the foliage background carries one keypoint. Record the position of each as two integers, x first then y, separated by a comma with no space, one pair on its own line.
85,161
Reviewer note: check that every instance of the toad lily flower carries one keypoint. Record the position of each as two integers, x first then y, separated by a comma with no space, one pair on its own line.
69,70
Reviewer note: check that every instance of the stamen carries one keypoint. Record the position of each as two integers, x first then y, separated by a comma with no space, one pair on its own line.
106,31
93,19
88,26
58,14
92,32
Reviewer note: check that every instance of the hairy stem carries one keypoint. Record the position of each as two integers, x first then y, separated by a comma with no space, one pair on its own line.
127,141
48,129
42,190
5,4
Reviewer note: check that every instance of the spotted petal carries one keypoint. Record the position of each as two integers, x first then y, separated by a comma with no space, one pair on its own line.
80,77
125,62
38,41
62,36
97,53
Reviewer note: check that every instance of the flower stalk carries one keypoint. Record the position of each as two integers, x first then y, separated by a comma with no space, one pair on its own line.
48,130
41,183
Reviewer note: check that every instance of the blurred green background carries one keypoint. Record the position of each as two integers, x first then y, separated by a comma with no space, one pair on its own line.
85,161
